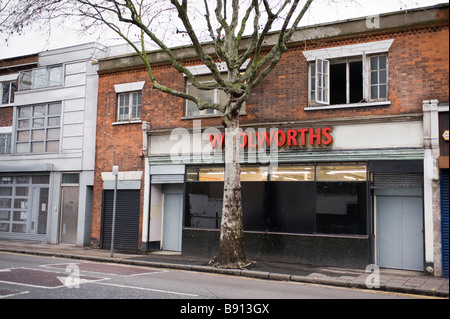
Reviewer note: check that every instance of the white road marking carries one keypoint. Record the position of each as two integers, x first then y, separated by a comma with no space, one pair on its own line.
146,289
15,294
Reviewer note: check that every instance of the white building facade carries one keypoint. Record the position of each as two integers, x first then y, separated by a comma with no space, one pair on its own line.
47,175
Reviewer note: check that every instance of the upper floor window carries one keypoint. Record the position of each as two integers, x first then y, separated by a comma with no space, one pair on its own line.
43,77
5,143
129,101
38,128
378,77
130,106
211,96
349,75
343,81
203,75
7,92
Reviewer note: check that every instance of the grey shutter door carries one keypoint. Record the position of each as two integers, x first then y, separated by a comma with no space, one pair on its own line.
126,233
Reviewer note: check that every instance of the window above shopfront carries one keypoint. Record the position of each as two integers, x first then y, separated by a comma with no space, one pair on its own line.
348,76
38,128
129,102
40,78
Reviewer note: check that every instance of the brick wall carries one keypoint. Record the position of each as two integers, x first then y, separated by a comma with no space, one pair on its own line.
15,64
6,116
418,70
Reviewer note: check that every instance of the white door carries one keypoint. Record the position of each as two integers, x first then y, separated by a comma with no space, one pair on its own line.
400,232
172,224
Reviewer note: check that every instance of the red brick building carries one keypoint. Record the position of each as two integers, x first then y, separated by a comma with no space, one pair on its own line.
339,203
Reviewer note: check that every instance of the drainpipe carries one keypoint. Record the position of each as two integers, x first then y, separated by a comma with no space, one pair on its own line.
146,210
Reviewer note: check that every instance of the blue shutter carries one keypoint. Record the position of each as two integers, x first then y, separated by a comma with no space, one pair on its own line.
444,221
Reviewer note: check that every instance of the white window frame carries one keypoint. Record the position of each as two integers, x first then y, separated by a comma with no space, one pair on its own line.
45,123
130,89
327,55
5,143
378,84
132,116
11,92
8,79
322,80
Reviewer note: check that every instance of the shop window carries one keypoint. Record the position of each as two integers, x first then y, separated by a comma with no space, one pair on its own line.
292,173
254,173
341,173
301,199
341,208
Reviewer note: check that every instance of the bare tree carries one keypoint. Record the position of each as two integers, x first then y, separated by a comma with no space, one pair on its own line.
238,30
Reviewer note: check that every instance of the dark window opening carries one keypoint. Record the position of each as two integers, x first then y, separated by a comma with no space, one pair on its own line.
356,82
338,83
340,78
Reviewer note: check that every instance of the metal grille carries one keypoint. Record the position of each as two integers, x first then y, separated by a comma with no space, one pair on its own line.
43,210
396,180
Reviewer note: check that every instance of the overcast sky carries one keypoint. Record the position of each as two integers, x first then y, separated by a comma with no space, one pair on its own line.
324,11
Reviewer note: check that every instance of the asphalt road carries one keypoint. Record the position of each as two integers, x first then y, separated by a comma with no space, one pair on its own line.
35,277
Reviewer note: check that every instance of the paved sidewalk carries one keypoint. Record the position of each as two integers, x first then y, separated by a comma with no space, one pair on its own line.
411,282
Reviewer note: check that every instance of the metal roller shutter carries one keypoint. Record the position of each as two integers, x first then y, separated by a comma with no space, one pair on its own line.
396,180
444,221
126,233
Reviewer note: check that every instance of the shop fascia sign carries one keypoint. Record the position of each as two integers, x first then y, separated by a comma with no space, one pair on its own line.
295,138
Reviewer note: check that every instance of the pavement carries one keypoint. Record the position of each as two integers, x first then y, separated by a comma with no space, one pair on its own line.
400,281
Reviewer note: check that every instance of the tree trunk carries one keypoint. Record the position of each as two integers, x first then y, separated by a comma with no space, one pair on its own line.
231,247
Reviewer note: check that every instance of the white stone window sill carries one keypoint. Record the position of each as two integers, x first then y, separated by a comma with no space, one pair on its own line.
345,106
127,122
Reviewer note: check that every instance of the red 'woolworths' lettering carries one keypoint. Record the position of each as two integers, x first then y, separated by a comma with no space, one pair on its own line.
302,137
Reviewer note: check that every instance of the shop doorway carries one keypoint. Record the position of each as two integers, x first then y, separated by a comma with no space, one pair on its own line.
69,214
172,217
400,232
